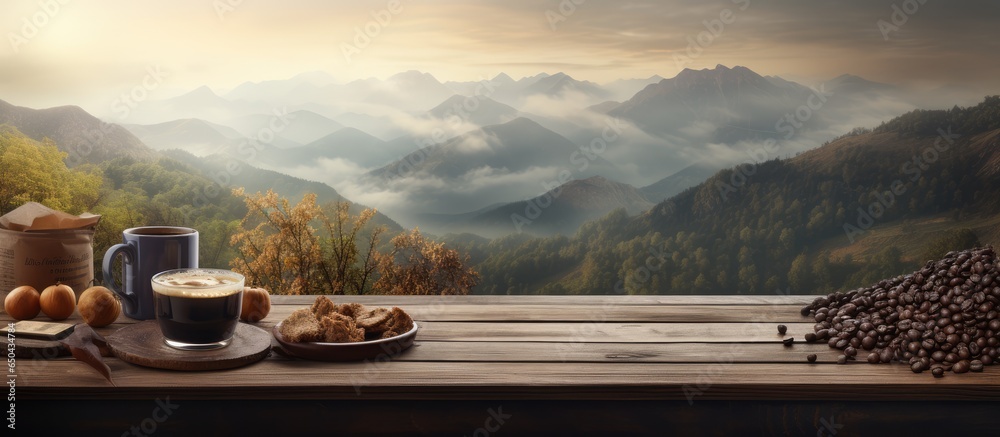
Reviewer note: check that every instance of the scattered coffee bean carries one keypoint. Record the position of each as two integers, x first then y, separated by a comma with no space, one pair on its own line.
842,359
811,358
938,372
810,337
782,329
976,366
788,341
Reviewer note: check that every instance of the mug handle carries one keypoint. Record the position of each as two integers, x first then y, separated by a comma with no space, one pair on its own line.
127,251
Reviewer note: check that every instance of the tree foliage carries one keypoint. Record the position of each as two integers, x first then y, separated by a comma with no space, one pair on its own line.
34,172
280,247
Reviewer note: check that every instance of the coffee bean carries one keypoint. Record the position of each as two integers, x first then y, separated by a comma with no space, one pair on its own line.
842,359
976,366
788,341
938,372
961,367
811,358
886,355
917,367
867,344
782,329
810,337
873,358
850,351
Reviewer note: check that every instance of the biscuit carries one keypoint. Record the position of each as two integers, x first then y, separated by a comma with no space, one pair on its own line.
351,309
374,320
338,328
401,322
301,326
323,306
393,322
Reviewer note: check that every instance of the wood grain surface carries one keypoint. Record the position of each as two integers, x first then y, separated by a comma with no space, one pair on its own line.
543,347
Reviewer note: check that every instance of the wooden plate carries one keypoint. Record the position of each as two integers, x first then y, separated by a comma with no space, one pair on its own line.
362,350
142,344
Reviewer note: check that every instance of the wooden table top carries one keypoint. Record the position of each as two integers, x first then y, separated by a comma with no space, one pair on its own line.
543,347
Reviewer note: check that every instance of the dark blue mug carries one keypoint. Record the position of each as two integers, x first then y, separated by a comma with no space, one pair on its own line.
147,251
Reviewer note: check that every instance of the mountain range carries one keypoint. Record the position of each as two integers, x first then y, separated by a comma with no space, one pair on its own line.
455,156
67,125
602,184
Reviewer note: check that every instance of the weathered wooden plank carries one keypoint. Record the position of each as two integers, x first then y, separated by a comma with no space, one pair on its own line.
586,313
275,379
774,299
610,332
711,353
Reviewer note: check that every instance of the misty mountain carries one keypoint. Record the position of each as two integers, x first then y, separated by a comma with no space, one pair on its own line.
201,103
624,89
559,211
561,83
407,91
515,160
82,136
219,169
674,184
851,84
730,103
604,107
503,88
348,143
302,126
192,135
479,87
379,126
299,89
515,146
481,111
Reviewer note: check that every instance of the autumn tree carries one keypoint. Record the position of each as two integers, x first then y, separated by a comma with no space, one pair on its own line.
307,249
277,246
420,266
345,269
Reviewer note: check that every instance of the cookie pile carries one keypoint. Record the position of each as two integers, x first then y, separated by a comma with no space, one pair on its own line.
328,322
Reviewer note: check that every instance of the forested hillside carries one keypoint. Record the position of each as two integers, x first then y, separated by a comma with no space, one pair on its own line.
868,205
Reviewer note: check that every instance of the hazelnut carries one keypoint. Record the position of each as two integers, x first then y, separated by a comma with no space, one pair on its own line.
22,303
58,301
99,307
256,304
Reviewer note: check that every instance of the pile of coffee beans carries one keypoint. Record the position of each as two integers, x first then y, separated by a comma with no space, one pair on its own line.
943,317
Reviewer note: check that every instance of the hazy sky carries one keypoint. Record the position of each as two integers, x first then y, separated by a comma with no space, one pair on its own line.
86,52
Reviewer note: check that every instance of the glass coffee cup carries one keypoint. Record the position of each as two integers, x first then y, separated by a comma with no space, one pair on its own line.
198,309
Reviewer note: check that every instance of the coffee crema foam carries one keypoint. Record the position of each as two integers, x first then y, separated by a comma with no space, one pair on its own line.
198,284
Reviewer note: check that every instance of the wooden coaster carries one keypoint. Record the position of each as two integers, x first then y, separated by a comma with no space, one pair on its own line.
142,344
